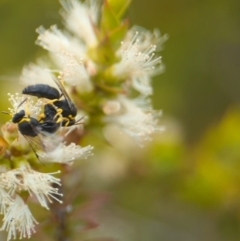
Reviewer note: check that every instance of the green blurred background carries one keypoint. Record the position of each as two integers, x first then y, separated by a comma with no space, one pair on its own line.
186,184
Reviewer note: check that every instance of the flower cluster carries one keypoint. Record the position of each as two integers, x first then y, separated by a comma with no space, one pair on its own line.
19,181
101,68
107,70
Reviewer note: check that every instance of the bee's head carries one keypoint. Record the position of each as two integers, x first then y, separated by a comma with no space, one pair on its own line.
18,116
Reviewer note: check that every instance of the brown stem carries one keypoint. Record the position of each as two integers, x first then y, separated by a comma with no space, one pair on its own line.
60,214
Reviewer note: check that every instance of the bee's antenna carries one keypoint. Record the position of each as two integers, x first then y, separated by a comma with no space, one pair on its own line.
59,83
22,102
5,112
78,121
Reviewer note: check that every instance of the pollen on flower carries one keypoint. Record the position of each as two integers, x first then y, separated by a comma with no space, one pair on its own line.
5,201
18,219
41,185
37,73
17,102
138,61
81,16
20,102
69,55
36,183
57,41
11,181
146,38
136,118
66,154
74,72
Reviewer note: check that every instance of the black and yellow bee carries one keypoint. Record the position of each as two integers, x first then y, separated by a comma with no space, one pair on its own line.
30,126
32,129
59,110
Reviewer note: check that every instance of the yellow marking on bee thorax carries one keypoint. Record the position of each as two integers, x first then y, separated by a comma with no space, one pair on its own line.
24,119
52,101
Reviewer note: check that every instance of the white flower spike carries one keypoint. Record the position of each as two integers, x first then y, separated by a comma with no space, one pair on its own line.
138,61
135,117
36,74
66,154
5,201
36,183
80,17
18,219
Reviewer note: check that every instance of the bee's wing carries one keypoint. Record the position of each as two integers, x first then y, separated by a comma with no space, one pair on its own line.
43,142
64,92
36,144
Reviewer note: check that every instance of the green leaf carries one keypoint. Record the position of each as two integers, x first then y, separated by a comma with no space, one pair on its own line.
117,35
102,54
119,6
109,20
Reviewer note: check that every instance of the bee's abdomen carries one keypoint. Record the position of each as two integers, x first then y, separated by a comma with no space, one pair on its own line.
42,91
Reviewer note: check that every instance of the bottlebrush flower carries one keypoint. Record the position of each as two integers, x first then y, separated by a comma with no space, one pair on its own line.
37,73
18,219
66,154
80,19
5,200
21,177
134,117
100,76
20,102
138,63
36,183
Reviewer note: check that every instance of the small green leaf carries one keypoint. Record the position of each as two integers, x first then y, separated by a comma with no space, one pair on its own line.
103,53
119,6
117,35
109,20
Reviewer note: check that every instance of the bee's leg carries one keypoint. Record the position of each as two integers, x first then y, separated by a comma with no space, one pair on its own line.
41,117
58,114
58,110
59,120
67,122
51,102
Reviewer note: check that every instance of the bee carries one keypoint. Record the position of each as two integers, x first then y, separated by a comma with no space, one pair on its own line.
32,129
59,110
30,126
42,91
